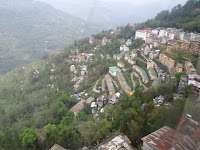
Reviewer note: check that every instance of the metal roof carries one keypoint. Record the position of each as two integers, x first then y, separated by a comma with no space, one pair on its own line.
169,139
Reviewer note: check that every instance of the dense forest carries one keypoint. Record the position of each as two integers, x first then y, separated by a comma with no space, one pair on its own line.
35,100
186,17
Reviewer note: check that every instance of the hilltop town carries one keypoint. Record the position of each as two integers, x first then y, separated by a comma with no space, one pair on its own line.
146,66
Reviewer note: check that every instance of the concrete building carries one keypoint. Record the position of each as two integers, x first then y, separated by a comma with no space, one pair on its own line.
189,68
194,79
142,73
116,142
127,56
168,139
150,64
166,61
125,87
154,54
120,56
114,70
141,34
110,85
72,68
124,48
132,61
152,73
120,64
179,67
134,53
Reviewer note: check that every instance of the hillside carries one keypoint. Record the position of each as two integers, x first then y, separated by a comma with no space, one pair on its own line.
49,101
31,30
187,17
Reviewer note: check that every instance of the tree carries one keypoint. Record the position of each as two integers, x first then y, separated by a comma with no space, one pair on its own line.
29,139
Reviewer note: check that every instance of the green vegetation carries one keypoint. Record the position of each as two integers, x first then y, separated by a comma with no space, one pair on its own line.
186,17
31,31
36,99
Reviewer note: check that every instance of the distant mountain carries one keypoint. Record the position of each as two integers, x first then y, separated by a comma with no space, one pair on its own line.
31,30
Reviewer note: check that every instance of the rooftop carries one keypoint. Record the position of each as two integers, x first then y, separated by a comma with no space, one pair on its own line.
167,138
144,75
114,69
117,142
153,72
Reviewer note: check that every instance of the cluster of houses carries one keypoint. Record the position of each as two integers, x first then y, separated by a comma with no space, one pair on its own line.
80,78
176,38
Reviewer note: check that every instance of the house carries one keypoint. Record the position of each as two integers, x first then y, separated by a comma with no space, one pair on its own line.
179,67
147,49
72,68
120,56
189,68
125,87
168,139
194,79
57,147
115,142
134,53
114,70
113,99
127,56
152,73
91,40
141,34
166,61
163,33
120,64
110,85
132,61
129,42
154,54
78,107
169,49
124,48
142,73
159,100
150,64
182,84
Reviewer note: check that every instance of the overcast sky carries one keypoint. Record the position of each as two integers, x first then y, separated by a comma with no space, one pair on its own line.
118,12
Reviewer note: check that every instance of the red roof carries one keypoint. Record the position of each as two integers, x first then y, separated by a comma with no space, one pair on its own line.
196,135
141,31
127,139
167,139
181,120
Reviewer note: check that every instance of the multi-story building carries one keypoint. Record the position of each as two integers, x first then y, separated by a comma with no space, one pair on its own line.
142,73
110,85
179,67
150,64
132,61
141,34
125,87
189,68
152,73
166,61
194,79
134,53
120,64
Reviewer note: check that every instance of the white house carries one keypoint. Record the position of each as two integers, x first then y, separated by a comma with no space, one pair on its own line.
141,34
